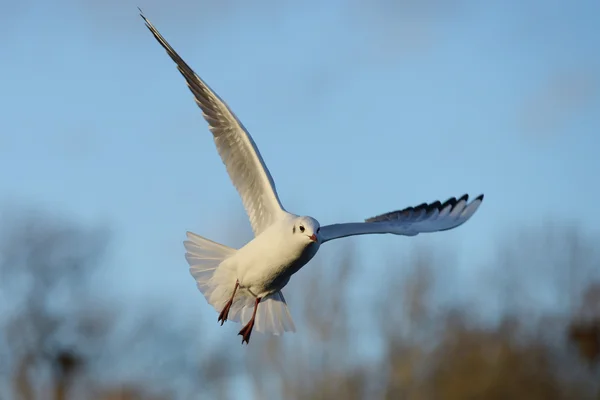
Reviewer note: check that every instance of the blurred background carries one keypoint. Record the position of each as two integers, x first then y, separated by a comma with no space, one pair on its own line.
359,108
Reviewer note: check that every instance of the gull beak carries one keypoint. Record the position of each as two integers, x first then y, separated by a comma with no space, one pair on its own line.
313,237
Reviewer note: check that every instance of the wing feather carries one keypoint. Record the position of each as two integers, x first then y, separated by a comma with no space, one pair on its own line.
244,163
410,221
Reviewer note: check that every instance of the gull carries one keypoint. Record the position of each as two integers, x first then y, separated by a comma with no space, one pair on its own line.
245,285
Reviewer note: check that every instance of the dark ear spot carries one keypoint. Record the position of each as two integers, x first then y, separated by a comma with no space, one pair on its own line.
318,229
294,229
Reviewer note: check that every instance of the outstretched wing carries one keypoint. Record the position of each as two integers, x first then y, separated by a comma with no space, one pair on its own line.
410,221
239,153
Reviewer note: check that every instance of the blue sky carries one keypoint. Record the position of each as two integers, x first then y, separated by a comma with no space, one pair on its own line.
358,109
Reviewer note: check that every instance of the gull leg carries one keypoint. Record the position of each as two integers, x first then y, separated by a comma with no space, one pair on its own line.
247,330
225,312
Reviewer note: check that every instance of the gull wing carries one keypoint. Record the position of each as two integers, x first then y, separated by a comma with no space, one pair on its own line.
410,221
237,149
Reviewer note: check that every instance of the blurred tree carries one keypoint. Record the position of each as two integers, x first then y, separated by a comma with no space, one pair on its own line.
60,336
401,340
46,264
584,329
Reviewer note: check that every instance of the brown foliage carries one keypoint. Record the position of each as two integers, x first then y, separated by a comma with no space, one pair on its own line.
399,341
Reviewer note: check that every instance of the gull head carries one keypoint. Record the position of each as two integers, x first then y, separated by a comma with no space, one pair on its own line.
306,229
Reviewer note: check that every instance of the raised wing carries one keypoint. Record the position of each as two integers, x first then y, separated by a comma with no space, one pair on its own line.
238,151
410,221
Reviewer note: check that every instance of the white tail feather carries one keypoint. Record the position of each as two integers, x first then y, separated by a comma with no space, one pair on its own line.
216,280
272,316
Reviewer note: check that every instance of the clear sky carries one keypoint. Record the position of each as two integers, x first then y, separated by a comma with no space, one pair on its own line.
357,107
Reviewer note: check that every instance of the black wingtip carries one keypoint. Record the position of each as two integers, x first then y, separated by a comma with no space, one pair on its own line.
144,17
452,201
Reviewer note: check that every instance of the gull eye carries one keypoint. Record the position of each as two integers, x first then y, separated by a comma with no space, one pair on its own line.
318,229
301,228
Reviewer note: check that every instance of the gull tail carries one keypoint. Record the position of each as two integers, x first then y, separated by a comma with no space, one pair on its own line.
272,316
216,280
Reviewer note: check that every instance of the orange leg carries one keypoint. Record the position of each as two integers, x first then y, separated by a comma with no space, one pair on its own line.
225,312
247,330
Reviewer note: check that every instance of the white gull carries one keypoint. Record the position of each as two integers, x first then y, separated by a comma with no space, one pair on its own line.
244,285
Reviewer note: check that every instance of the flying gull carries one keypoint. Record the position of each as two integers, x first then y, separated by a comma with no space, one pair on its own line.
245,285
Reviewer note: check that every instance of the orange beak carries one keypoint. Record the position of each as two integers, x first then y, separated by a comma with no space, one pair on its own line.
313,237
